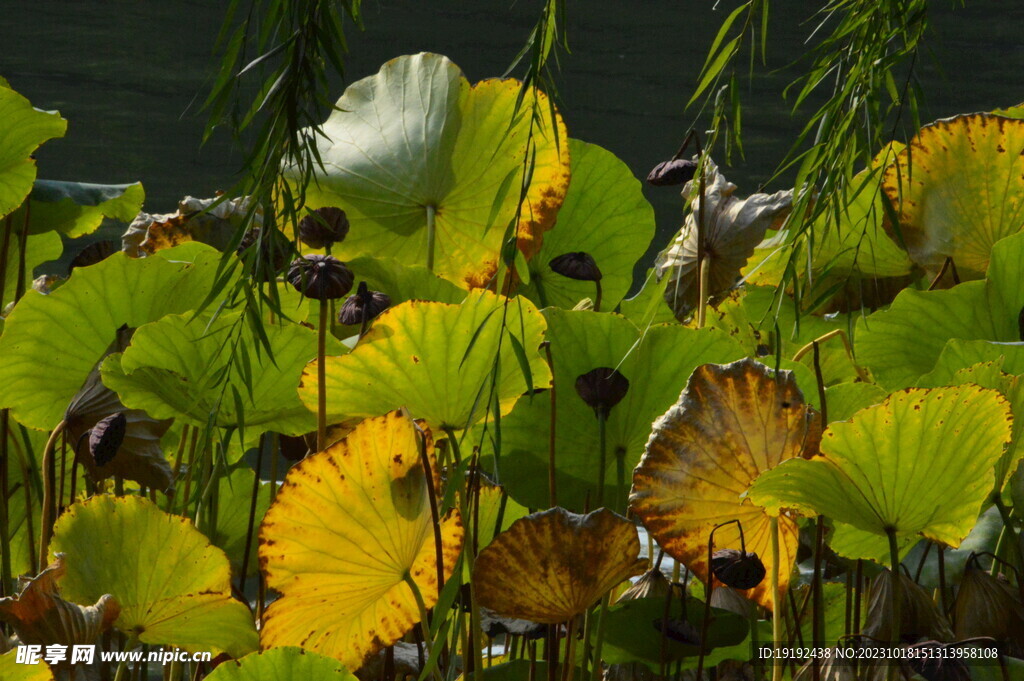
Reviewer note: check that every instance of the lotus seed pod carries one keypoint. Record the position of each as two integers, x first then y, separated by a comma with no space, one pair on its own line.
365,304
674,172
106,437
652,583
678,630
579,265
323,227
320,277
293,448
737,569
602,389
92,254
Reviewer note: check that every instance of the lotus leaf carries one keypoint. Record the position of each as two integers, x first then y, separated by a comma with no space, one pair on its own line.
732,423
436,359
11,670
172,584
604,214
922,462
25,128
554,565
902,343
196,220
72,327
648,306
282,664
350,525
404,282
78,208
39,616
428,169
234,500
171,371
656,364
39,248
733,229
959,188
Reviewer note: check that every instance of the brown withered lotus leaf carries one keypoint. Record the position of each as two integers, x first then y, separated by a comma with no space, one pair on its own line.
194,220
39,616
348,525
494,625
554,565
140,456
989,606
92,254
651,583
919,616
733,228
732,422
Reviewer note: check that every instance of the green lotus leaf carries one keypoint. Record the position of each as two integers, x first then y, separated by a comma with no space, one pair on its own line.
39,248
23,501
958,355
282,664
172,370
429,169
857,544
846,399
72,327
78,208
604,214
437,360
404,282
11,670
959,188
633,633
234,499
25,128
648,306
920,463
656,364
902,343
1011,111
172,584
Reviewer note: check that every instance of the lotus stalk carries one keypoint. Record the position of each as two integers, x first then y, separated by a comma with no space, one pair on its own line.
49,503
776,599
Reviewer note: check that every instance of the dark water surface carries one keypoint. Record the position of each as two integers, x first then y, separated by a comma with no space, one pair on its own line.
129,76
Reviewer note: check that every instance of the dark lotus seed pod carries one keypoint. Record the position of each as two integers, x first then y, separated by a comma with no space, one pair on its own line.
321,277
933,662
293,448
602,389
674,172
580,266
365,304
678,630
737,569
323,227
92,254
274,245
106,438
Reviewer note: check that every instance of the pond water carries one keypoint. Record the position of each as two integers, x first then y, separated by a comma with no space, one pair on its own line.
129,76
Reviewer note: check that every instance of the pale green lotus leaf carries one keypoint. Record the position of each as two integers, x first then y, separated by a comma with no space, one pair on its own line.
12,670
39,248
78,208
24,129
604,214
282,664
920,463
428,167
173,586
72,327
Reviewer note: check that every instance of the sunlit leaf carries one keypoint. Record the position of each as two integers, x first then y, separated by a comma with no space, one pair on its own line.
11,670
554,565
656,364
349,524
194,220
234,499
414,144
732,423
902,343
171,371
959,188
919,463
72,327
436,359
25,128
39,248
172,584
281,664
78,208
606,215
404,282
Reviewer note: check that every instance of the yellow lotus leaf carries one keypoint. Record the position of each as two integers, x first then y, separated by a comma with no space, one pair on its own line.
437,360
12,670
732,422
348,526
553,565
959,188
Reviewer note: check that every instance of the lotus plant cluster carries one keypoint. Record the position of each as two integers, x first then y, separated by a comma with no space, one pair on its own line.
433,438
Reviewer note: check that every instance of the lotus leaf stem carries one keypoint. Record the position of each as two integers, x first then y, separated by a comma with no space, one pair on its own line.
19,289
424,626
894,591
49,514
597,296
1011,533
552,489
569,664
4,251
776,598
6,571
122,666
603,450
431,233
252,511
597,672
321,376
